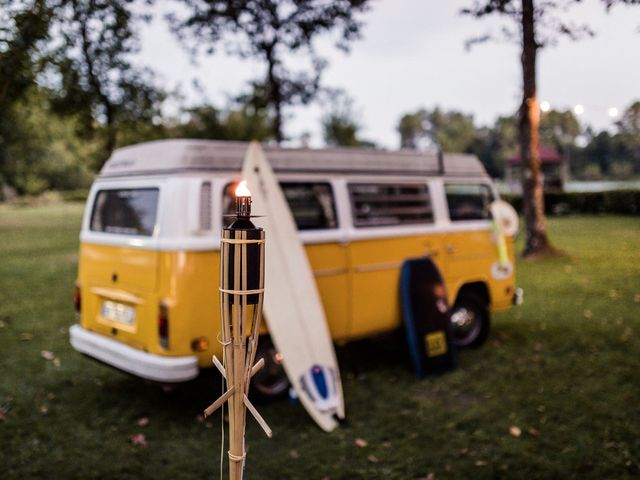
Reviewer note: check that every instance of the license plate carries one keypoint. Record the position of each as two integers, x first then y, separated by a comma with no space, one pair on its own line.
118,312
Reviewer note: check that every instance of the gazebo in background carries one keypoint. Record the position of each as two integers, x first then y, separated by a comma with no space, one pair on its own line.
554,169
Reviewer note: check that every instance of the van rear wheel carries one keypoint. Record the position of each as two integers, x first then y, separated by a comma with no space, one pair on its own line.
271,381
470,320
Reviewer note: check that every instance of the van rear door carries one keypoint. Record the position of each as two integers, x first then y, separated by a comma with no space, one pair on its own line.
118,269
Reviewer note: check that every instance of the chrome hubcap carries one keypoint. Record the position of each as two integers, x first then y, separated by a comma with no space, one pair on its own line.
466,325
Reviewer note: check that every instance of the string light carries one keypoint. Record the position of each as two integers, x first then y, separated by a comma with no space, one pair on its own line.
579,109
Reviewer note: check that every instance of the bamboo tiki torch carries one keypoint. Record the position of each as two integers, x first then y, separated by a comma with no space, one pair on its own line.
241,295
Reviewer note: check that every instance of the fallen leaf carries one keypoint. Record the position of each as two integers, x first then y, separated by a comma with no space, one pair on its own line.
515,431
47,355
537,347
533,432
26,336
636,298
613,294
373,459
44,410
2,416
294,454
56,362
431,476
2,324
138,439
480,463
567,268
588,313
142,421
200,418
361,442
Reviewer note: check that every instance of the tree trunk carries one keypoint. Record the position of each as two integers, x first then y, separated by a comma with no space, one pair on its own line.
111,132
274,94
537,242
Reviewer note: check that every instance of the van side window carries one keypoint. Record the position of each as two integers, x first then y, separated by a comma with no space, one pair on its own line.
312,204
126,211
468,201
380,204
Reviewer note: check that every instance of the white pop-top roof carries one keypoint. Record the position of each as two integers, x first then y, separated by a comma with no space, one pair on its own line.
169,156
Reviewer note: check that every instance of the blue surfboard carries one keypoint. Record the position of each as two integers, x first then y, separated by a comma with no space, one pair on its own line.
426,317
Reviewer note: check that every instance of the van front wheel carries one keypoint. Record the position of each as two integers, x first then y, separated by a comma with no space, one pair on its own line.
271,381
470,321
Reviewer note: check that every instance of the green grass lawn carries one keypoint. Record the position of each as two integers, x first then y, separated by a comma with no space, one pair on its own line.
563,370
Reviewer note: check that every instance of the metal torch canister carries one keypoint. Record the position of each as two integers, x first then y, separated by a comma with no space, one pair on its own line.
241,296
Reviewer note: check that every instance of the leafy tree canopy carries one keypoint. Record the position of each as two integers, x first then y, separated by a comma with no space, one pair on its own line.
268,30
92,70
452,131
559,129
340,125
23,27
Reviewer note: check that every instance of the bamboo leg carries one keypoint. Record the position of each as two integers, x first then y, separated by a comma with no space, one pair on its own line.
236,407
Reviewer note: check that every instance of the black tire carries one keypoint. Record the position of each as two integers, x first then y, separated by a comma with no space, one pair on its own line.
271,382
470,320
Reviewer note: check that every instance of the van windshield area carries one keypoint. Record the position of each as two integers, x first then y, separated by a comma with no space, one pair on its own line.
125,211
468,201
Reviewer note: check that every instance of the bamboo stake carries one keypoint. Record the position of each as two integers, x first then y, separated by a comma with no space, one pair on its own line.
240,328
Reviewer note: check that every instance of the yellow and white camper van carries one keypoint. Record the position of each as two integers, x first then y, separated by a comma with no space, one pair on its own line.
147,288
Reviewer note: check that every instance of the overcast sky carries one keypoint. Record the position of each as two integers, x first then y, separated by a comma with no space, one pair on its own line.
412,55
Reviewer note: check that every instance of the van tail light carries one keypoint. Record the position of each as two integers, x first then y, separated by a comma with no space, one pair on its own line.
163,325
77,300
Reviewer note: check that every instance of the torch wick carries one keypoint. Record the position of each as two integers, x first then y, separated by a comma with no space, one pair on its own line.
243,207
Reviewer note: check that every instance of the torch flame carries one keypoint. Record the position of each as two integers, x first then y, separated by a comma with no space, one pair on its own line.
242,190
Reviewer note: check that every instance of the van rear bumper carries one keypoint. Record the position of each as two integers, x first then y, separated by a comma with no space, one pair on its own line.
123,357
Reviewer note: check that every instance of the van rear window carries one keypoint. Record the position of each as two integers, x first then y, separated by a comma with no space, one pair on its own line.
381,204
125,211
468,201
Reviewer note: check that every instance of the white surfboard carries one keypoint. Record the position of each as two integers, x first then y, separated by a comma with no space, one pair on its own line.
292,307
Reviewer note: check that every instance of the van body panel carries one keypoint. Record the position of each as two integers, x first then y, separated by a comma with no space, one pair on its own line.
121,278
189,283
375,271
465,252
330,263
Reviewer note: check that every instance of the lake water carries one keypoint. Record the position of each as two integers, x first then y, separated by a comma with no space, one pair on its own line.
601,186
595,186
